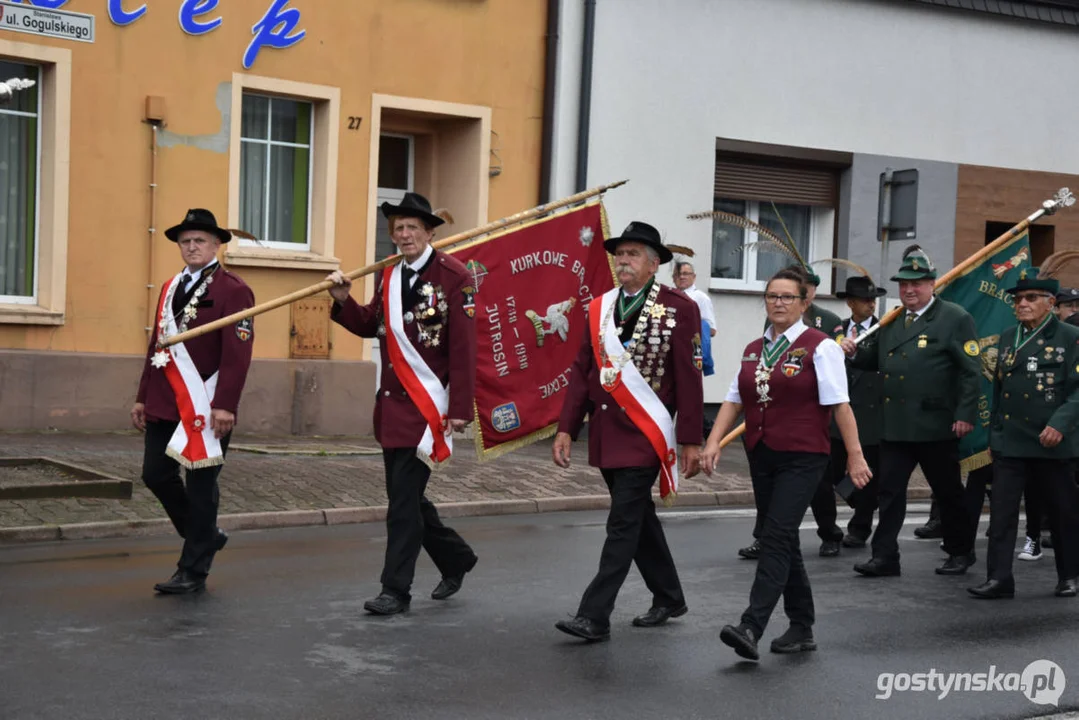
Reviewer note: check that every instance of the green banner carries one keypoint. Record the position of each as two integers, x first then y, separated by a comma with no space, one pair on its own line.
981,290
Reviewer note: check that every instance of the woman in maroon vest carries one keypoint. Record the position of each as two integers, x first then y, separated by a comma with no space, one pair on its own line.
790,382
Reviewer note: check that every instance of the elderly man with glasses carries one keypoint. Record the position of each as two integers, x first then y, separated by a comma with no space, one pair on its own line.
1033,434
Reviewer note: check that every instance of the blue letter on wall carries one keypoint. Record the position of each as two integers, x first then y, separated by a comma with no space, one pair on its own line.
120,16
48,4
191,9
273,30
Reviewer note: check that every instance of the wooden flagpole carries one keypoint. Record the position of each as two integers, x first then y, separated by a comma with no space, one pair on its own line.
1064,198
369,269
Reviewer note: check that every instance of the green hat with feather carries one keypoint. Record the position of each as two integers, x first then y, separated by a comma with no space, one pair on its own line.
916,265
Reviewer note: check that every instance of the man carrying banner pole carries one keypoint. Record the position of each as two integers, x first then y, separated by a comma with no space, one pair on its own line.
1035,418
930,365
639,364
423,309
189,394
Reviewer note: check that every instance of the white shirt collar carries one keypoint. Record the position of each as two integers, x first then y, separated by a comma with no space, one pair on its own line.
189,276
792,333
421,260
863,325
919,313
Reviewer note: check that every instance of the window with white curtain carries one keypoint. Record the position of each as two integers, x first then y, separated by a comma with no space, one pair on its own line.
739,259
276,137
20,157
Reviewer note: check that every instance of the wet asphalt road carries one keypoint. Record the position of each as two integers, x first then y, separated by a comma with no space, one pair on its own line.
281,632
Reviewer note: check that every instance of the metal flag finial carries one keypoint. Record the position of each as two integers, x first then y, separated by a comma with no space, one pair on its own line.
1064,198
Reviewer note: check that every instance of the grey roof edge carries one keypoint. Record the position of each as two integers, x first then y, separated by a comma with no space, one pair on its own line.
1058,12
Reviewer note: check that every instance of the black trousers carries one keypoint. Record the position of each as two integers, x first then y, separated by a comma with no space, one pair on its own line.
1035,508
634,535
1056,482
192,508
783,485
412,523
864,500
978,486
939,461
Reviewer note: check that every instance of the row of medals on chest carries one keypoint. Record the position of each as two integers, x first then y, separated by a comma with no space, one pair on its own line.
429,311
189,313
1044,379
654,325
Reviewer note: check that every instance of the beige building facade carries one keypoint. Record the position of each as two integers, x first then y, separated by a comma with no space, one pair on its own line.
290,120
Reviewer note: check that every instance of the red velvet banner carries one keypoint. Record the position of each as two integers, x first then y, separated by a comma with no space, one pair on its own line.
532,288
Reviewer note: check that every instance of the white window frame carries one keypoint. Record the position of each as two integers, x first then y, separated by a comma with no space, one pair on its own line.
269,142
32,298
821,236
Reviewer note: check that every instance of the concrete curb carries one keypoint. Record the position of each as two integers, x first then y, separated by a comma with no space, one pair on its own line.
374,513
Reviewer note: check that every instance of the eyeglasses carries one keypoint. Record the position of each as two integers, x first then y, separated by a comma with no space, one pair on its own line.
773,299
1030,297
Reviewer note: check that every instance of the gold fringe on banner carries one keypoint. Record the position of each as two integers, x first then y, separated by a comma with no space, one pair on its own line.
197,465
975,462
543,433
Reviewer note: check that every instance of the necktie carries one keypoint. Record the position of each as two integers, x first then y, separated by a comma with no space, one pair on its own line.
908,320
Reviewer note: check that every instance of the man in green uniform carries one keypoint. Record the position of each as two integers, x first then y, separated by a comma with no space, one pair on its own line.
1033,434
930,367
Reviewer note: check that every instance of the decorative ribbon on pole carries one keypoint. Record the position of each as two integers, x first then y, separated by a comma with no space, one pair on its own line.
1063,198
371,269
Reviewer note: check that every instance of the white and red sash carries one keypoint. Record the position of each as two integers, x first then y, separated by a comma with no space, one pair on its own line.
422,385
632,392
193,444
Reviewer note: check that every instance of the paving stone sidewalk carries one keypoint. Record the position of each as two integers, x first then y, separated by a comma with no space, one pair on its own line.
282,474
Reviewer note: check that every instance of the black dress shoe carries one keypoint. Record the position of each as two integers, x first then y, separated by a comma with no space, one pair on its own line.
993,590
1047,541
584,628
876,567
957,564
386,604
451,583
659,615
796,639
742,639
751,552
850,540
930,530
181,583
1067,588
222,540
829,548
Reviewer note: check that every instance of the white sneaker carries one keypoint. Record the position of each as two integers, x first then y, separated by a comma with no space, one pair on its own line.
1032,550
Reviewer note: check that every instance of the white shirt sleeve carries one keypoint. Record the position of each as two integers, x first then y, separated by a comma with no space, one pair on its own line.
831,370
708,313
733,395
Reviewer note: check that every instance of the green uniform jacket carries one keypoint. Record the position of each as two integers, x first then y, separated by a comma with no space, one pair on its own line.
866,388
930,371
824,320
1035,386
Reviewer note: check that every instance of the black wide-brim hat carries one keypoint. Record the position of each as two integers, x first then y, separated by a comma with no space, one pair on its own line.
412,205
642,233
199,219
862,287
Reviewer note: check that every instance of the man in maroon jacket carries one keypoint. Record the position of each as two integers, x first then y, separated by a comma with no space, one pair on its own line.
183,384
639,364
422,310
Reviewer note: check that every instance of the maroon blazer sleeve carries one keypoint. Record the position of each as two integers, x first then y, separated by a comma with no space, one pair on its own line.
359,319
575,404
144,381
688,382
235,351
462,353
